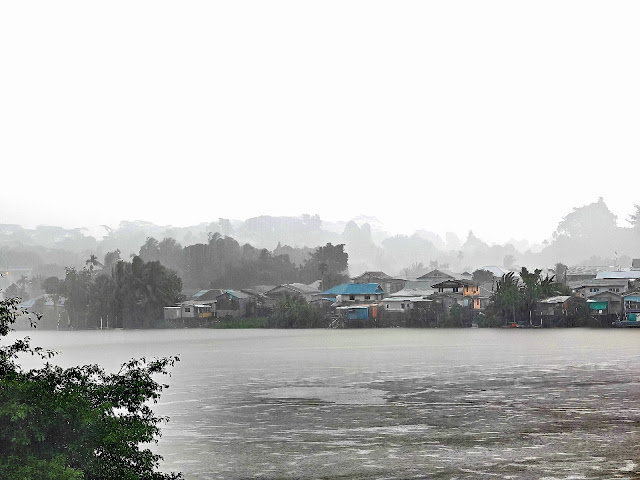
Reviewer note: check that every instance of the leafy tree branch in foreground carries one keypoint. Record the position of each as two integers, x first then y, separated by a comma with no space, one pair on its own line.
79,422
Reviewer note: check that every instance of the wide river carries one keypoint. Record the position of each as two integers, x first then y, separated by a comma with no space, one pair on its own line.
388,403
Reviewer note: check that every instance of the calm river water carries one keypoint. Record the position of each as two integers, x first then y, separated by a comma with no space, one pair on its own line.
388,403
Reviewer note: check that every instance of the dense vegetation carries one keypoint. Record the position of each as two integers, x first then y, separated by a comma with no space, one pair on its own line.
223,263
130,295
76,423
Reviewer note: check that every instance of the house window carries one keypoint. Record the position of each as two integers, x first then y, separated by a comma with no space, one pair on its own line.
352,297
455,289
387,305
187,310
402,306
367,297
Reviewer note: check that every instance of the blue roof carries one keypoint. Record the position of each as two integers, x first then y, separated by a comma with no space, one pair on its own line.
355,289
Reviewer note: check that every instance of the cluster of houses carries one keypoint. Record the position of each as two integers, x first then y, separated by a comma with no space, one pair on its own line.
611,295
604,292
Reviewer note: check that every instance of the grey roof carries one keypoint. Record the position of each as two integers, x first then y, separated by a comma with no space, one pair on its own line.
235,293
585,270
201,293
415,288
611,275
405,299
605,282
558,299
605,294
441,273
300,288
381,275
258,290
495,270
48,301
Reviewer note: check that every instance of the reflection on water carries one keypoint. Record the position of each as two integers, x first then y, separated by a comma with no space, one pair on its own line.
390,403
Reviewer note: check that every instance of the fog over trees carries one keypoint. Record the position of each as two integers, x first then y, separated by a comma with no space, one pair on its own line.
270,250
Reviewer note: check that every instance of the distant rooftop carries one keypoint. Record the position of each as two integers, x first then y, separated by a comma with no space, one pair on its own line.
611,275
368,274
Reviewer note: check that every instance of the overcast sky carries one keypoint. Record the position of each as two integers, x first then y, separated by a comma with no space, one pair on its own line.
497,117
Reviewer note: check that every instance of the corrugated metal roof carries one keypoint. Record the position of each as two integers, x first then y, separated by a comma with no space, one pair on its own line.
373,274
355,289
233,293
557,299
605,282
617,275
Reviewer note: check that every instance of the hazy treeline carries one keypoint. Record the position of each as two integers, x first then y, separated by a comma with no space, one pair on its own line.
588,235
223,263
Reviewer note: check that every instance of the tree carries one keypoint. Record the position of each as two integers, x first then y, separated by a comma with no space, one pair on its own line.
111,258
507,298
593,221
330,263
295,312
78,423
509,261
23,283
634,218
76,289
92,261
12,291
482,276
150,251
561,273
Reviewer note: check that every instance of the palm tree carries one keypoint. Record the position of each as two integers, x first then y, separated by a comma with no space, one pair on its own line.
92,261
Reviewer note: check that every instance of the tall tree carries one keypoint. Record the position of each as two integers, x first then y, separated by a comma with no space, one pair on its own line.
330,259
507,298
111,258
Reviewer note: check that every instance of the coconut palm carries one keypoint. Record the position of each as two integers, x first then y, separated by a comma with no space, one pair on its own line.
92,261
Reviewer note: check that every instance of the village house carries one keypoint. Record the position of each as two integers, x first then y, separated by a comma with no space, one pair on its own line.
550,311
232,303
436,276
582,273
594,287
400,304
631,306
308,292
479,295
263,305
605,303
207,295
447,300
452,286
630,275
415,288
355,293
389,285
190,309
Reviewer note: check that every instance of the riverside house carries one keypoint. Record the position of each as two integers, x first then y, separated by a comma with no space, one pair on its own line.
346,293
631,306
389,284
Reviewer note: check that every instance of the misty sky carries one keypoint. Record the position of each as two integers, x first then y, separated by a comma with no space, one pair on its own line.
493,116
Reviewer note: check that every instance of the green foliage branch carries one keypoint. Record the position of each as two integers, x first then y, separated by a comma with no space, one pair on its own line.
80,422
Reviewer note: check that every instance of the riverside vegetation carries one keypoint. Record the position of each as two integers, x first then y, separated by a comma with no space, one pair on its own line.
80,422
